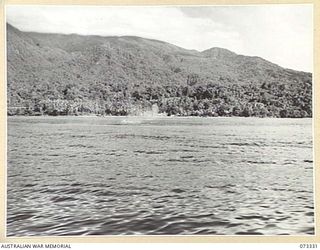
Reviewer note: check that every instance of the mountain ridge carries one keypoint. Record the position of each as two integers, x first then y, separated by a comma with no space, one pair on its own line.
155,40
105,71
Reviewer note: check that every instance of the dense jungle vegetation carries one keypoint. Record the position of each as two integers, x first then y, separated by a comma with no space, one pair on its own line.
55,74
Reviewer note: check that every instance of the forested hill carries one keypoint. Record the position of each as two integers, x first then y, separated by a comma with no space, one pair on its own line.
59,74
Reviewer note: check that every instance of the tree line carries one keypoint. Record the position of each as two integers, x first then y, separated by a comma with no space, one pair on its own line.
267,100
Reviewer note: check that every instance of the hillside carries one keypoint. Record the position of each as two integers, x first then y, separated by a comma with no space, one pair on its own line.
59,74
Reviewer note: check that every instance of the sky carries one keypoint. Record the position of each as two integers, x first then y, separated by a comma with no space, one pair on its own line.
282,34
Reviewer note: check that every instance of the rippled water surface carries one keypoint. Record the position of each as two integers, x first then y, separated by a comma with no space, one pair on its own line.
120,175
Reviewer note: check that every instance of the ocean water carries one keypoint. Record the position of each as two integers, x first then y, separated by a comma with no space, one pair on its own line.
159,176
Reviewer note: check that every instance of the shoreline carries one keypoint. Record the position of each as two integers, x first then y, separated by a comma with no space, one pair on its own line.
151,117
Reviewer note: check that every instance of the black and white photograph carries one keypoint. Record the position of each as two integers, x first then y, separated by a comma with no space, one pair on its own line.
159,120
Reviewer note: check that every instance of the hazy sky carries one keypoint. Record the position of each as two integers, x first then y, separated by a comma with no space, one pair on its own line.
282,34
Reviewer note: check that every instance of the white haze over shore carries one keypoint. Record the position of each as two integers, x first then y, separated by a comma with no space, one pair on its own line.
282,34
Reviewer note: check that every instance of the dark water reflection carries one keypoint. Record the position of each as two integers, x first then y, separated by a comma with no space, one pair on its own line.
116,175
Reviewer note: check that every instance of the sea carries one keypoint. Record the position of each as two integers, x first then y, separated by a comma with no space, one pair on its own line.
81,176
